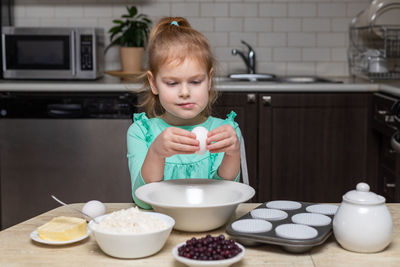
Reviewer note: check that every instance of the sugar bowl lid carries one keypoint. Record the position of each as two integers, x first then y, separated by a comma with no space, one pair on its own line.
362,195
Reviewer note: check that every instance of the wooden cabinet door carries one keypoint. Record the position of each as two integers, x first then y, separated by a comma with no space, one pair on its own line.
313,147
245,105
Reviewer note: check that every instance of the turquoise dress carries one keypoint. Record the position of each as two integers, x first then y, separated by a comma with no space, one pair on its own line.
141,135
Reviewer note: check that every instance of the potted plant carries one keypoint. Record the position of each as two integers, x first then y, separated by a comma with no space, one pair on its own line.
131,33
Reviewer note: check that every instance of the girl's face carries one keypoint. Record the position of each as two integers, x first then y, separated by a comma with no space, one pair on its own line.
183,90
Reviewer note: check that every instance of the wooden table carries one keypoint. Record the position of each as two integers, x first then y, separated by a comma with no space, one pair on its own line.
17,249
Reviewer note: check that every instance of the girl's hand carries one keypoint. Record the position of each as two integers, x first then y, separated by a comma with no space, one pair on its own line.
174,141
226,140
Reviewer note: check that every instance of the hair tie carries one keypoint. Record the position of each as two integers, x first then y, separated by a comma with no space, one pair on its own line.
174,23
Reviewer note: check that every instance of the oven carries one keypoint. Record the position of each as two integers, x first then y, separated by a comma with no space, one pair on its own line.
386,128
72,145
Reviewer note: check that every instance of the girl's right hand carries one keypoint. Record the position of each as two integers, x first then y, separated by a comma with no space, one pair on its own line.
174,141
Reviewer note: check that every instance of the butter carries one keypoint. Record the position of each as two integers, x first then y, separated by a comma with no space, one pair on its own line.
62,228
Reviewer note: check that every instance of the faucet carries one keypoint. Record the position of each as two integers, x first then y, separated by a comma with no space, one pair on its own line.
250,60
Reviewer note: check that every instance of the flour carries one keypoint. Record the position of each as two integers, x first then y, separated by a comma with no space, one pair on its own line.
130,220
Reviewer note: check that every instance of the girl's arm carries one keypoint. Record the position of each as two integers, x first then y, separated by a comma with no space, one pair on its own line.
148,160
170,142
137,150
226,140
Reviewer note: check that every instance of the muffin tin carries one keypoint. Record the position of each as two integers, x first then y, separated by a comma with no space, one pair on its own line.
296,226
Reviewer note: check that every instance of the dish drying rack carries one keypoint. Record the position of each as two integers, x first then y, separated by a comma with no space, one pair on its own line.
383,41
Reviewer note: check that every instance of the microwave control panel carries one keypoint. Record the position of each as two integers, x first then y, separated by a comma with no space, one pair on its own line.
86,52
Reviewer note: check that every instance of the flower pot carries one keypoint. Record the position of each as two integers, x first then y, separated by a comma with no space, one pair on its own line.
131,59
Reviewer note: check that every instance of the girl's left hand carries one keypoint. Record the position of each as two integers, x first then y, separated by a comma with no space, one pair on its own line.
225,140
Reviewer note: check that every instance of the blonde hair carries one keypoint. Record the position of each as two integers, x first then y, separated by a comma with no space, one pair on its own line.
170,43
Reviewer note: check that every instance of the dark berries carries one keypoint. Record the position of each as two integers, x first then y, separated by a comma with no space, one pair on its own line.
209,248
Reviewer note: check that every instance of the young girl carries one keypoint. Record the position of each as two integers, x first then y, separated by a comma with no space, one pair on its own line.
161,145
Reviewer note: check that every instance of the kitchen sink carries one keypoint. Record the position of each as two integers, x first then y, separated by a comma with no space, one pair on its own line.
252,77
265,77
305,79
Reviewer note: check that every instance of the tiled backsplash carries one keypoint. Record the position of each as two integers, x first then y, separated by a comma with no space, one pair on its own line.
289,36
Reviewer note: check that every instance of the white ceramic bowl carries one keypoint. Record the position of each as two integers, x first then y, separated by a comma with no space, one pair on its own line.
196,204
199,263
122,245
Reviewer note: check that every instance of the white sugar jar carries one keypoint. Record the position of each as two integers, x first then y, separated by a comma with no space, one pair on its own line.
363,223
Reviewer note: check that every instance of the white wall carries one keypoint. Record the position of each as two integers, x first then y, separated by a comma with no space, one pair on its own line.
289,36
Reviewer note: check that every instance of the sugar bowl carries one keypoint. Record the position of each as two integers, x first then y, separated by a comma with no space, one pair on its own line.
363,223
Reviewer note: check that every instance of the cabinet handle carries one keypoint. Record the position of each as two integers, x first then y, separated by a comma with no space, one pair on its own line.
389,118
251,98
266,100
390,185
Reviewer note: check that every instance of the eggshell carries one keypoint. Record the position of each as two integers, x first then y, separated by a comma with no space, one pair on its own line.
201,135
94,208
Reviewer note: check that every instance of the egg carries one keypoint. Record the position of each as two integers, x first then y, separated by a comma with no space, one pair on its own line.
94,208
201,135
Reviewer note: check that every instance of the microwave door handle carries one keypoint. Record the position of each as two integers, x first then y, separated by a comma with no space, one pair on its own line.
73,53
3,48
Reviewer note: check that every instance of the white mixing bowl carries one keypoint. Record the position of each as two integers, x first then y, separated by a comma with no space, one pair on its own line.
197,205
132,245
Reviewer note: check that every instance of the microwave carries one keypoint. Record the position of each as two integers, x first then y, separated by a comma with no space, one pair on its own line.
52,53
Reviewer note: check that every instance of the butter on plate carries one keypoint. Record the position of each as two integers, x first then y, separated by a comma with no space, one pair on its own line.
62,228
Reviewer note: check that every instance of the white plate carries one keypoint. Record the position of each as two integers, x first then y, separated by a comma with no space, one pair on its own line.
35,237
219,263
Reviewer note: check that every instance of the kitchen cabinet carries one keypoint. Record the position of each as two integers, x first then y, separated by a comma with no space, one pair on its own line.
314,147
389,160
308,146
245,106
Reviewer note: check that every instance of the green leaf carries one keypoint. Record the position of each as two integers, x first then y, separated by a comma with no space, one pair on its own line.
132,11
115,29
117,21
140,16
148,21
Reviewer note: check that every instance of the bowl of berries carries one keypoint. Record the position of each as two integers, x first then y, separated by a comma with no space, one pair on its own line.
208,251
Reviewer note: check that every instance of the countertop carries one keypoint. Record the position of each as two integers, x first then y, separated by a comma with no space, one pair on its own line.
113,84
17,249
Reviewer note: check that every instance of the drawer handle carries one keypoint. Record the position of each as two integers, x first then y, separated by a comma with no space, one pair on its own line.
390,185
251,98
266,100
